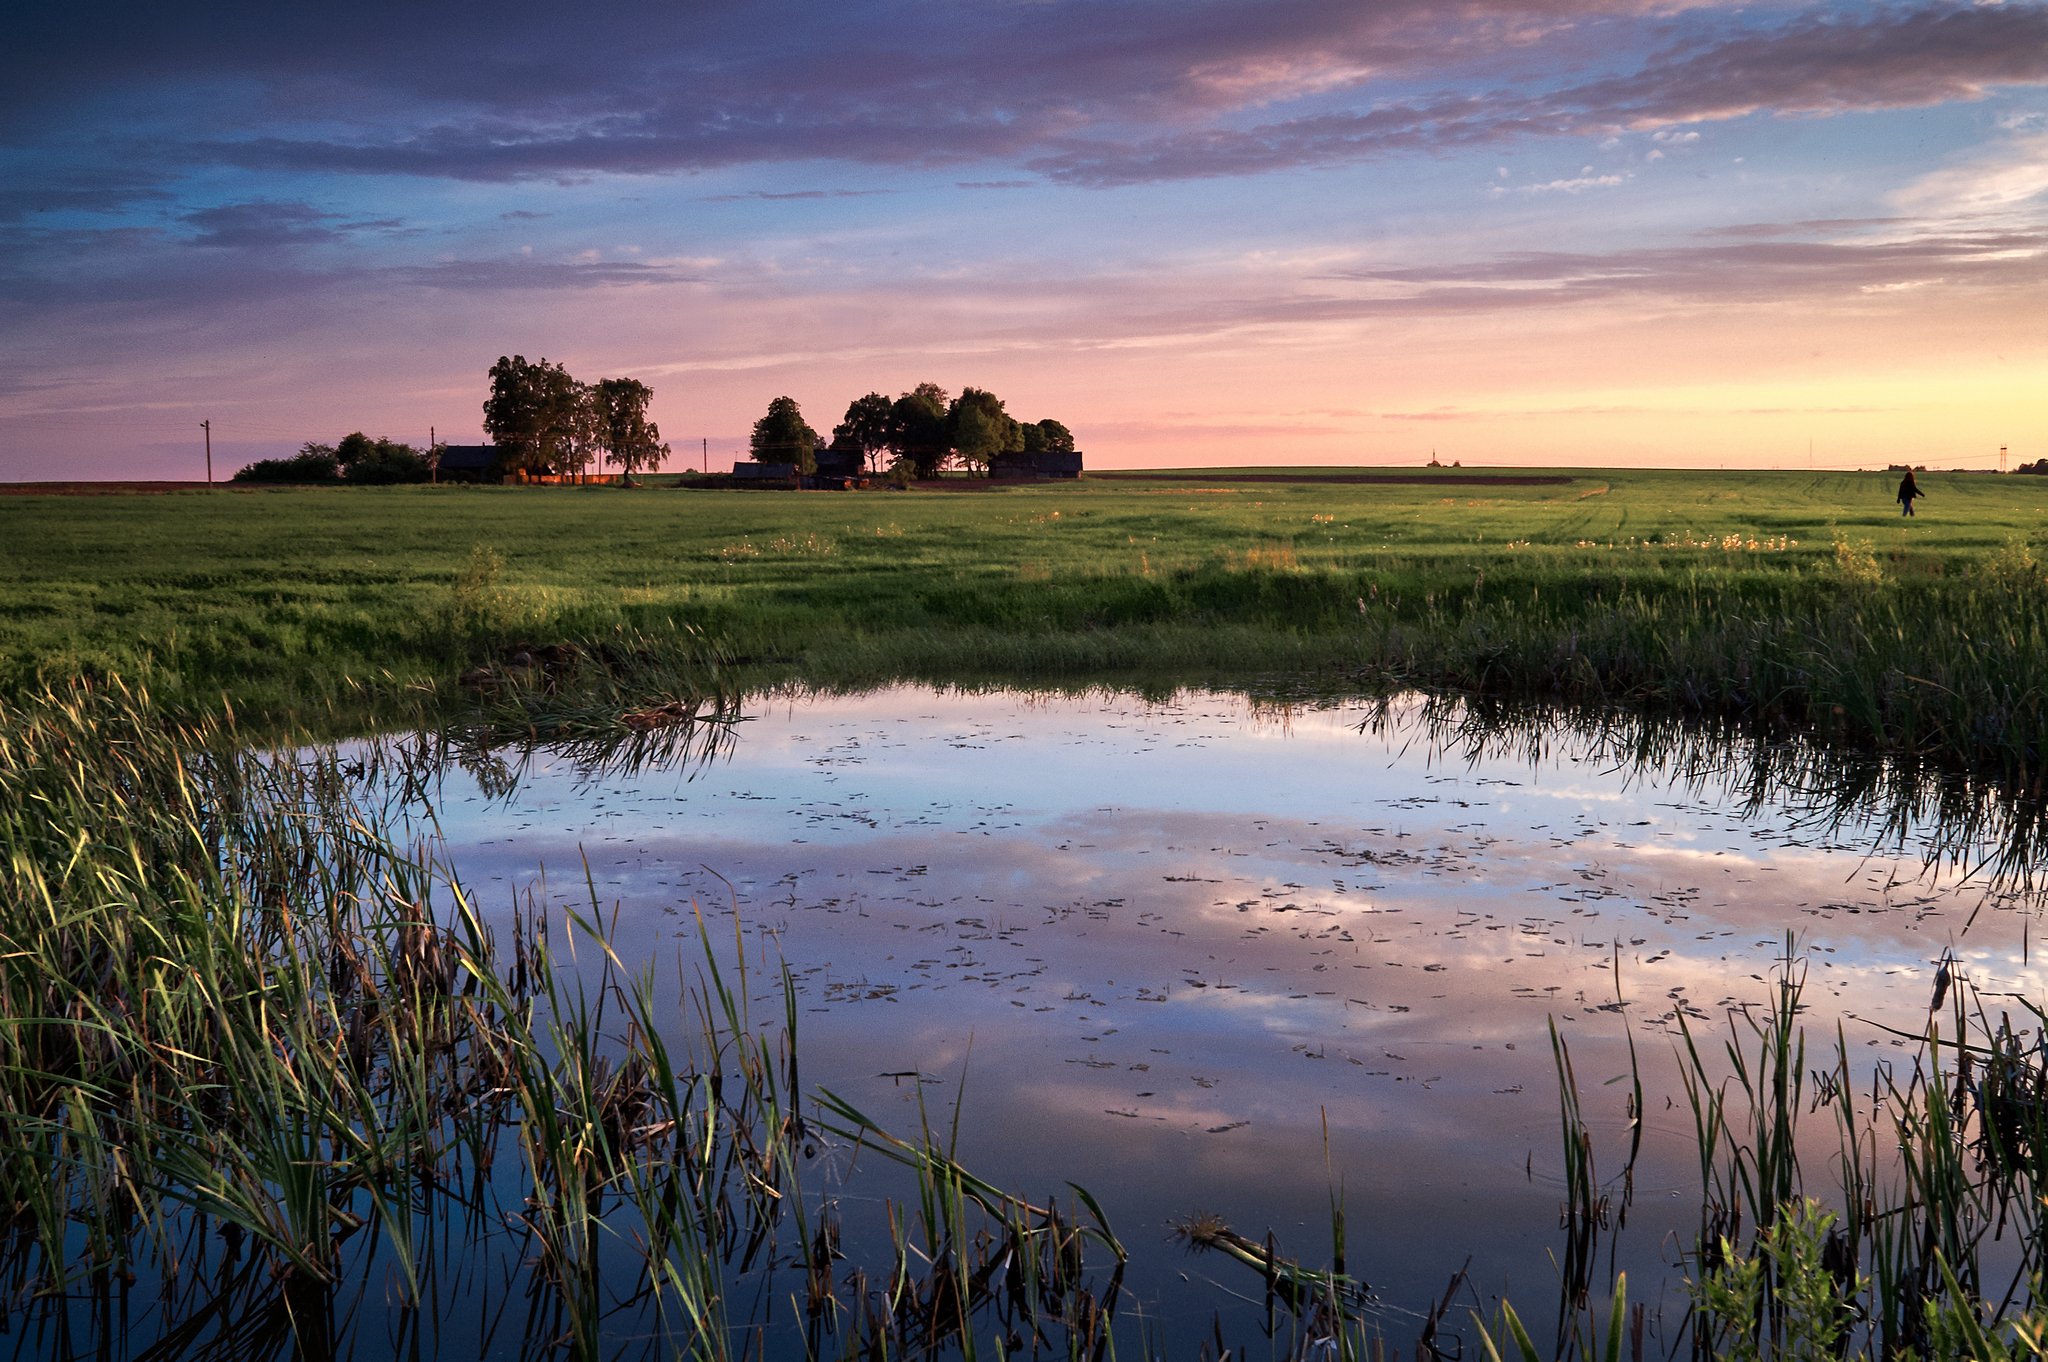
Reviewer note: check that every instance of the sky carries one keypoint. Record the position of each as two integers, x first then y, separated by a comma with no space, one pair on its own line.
1198,232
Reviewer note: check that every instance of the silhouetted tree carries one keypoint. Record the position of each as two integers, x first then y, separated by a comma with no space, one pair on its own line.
629,439
978,427
783,436
356,458
918,431
538,415
364,461
585,445
866,427
1057,439
313,463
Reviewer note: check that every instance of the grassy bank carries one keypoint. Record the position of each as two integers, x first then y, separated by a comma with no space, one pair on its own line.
1798,598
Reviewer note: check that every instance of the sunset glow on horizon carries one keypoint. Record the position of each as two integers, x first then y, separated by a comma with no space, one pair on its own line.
1554,232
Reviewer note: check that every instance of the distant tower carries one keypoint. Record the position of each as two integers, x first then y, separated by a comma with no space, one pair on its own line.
2001,458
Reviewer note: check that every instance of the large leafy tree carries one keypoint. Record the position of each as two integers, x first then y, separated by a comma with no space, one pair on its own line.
538,415
980,428
918,432
866,427
783,436
585,434
619,409
361,459
313,463
355,458
1054,437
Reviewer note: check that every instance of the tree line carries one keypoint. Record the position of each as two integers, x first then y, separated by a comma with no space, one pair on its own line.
919,433
542,419
538,415
356,458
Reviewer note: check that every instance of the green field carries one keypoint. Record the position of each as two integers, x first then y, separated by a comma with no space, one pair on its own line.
1777,596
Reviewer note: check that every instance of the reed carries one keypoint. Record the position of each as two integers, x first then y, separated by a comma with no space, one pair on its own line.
973,1251
263,1054
1924,1238
1972,825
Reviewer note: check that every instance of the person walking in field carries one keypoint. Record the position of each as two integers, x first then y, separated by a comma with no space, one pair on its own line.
1908,489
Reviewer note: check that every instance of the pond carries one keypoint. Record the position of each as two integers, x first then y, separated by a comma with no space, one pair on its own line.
1207,956
916,1023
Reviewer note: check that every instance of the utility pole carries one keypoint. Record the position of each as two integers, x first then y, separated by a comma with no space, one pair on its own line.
433,459
706,455
207,426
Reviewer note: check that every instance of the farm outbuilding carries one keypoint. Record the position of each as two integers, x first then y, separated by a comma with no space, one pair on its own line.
1021,464
468,463
764,474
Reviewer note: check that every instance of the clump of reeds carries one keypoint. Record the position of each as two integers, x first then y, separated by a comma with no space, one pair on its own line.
1948,674
1924,1238
260,1052
1971,824
613,689
967,1254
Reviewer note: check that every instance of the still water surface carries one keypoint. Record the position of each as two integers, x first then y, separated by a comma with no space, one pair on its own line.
1210,956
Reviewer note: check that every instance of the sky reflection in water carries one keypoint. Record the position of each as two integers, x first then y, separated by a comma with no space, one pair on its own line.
1161,941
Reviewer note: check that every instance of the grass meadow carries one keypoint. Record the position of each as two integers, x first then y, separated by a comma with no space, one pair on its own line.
1776,597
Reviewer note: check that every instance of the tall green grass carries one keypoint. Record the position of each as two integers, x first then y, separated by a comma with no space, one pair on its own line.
1779,598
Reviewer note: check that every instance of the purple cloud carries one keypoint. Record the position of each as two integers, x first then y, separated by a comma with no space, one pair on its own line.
1761,270
262,225
1909,60
1750,274
795,194
492,276
79,189
1806,228
1114,92
1887,60
269,225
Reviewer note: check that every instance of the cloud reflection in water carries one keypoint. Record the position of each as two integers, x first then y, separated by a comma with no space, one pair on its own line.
1161,942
